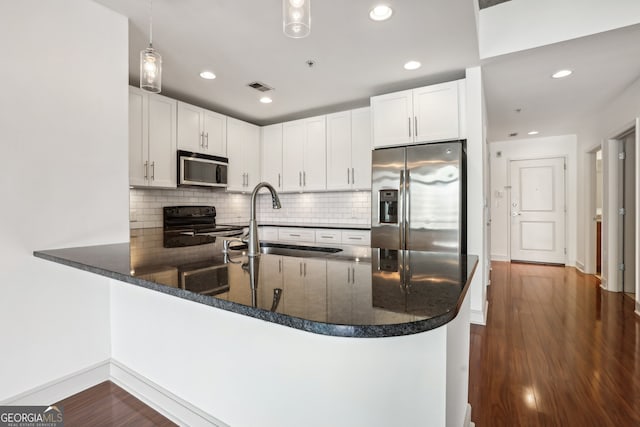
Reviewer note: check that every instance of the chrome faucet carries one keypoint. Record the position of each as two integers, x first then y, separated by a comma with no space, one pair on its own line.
251,237
253,242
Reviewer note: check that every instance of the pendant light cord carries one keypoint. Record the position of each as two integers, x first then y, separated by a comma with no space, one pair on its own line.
151,23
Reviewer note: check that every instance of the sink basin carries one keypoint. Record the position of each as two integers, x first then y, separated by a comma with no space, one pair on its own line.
296,250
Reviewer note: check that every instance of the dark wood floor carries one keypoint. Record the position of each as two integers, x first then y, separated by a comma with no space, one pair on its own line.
556,351
108,405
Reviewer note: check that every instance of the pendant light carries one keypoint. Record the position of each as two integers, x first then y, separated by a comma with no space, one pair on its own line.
296,18
150,63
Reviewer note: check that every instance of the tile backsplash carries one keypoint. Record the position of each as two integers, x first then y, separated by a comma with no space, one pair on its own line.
145,209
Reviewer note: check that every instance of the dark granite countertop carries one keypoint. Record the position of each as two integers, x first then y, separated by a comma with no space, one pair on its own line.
358,292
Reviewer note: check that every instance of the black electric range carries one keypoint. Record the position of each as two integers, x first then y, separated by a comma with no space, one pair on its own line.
193,225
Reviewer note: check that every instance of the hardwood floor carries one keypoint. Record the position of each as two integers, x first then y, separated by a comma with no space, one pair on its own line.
556,351
108,405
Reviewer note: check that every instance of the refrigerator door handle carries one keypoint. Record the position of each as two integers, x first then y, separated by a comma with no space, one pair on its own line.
401,223
407,207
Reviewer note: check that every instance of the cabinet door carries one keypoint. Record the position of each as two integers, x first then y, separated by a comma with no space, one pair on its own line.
339,151
314,175
356,237
339,292
361,293
271,155
162,141
392,118
190,125
361,149
314,274
252,156
138,137
237,135
294,135
293,295
215,133
271,279
436,112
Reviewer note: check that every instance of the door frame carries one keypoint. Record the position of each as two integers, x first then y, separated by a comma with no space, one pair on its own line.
589,266
564,183
610,219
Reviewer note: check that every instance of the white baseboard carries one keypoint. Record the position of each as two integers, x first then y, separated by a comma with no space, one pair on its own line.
467,418
580,266
59,389
495,257
168,404
478,317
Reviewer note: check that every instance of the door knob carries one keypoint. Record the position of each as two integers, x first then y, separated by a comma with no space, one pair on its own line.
515,213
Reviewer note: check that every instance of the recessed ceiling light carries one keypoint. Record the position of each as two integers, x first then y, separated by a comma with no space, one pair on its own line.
412,65
381,13
207,75
561,73
266,100
533,132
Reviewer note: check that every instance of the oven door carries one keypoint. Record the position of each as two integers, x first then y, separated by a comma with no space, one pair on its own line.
196,169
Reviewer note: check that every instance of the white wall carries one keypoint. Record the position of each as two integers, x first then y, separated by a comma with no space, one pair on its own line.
534,23
64,175
476,206
619,115
248,372
554,146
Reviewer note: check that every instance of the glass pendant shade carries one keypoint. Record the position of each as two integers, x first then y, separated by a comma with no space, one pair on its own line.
296,18
150,70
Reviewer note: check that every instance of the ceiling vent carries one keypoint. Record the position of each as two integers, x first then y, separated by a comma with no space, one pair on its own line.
260,86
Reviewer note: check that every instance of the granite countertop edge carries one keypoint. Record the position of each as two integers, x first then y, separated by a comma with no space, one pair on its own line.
322,328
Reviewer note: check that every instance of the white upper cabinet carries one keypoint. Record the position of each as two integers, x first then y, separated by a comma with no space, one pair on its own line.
349,150
304,155
201,131
431,113
152,139
361,146
271,155
243,148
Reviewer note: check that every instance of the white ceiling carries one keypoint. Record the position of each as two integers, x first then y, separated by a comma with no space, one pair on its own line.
242,41
604,65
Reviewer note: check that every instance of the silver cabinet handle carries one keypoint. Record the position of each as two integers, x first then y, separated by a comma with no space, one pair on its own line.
348,275
401,211
279,181
207,140
409,118
305,269
201,139
247,179
146,170
348,176
355,238
279,266
353,177
301,269
300,179
153,171
294,235
304,179
415,125
327,237
353,275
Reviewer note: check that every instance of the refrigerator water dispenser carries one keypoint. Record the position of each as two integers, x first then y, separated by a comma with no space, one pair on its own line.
388,206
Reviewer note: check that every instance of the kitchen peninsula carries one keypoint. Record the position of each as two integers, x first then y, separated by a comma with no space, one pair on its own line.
356,337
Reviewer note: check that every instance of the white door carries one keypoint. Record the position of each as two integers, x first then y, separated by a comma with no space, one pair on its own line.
162,141
361,149
538,210
314,174
339,151
435,110
271,153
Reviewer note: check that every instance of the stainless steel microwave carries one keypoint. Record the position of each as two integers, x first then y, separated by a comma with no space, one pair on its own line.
203,170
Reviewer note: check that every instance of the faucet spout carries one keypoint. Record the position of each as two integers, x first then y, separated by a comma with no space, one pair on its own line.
253,240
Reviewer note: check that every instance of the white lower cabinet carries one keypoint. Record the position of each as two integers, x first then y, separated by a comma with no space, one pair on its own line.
356,237
268,233
271,283
328,236
304,235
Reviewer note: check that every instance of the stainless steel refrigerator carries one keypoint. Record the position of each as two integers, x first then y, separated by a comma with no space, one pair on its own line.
418,198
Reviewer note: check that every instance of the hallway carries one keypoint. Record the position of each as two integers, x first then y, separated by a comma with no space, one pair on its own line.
556,351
